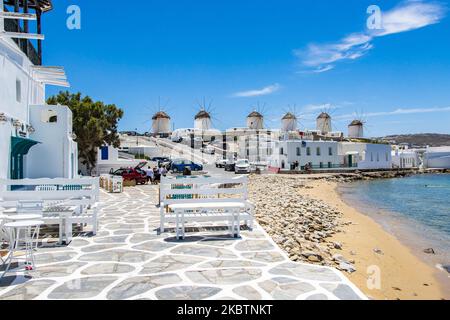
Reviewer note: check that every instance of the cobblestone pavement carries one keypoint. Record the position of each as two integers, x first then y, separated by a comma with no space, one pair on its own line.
127,259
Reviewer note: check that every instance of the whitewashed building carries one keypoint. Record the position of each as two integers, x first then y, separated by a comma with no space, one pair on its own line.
108,159
365,155
437,158
256,148
404,158
317,154
30,147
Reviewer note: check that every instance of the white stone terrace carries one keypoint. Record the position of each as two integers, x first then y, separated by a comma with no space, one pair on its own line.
129,260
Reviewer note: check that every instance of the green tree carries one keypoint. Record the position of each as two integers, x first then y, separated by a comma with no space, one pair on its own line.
94,124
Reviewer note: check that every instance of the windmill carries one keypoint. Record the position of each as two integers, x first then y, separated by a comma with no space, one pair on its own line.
258,134
291,119
356,127
323,121
203,119
160,119
255,119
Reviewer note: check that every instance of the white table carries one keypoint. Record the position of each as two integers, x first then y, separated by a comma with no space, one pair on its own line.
30,231
62,216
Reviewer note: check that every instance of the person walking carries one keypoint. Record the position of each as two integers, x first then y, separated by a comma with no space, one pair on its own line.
150,175
162,171
187,171
157,175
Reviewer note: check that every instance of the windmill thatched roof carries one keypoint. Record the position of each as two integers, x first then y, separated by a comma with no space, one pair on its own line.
324,115
356,123
202,114
255,114
160,115
289,116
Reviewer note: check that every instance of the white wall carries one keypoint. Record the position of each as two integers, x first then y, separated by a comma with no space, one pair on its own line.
254,149
146,151
405,159
438,158
15,66
114,162
286,151
369,155
53,157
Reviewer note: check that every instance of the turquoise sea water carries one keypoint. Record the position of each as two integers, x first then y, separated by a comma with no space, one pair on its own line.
421,201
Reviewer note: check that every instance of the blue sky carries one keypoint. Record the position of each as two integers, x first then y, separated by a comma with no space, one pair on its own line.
316,55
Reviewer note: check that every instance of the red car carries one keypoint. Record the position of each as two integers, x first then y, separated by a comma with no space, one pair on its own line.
136,174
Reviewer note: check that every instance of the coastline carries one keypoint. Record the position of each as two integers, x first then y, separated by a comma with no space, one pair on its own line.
404,275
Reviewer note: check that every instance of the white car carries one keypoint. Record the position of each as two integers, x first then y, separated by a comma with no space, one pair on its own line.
242,166
209,150
221,163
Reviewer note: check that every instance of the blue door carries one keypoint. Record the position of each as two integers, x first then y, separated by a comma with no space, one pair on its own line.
104,151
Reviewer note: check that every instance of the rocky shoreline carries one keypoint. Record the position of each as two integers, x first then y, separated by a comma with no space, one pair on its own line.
300,225
303,227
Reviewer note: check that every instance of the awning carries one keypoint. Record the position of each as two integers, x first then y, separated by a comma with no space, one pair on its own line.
21,146
352,153
55,76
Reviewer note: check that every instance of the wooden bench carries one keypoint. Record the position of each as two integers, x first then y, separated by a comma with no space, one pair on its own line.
82,193
205,199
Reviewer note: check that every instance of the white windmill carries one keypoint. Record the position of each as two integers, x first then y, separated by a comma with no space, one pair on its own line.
289,122
356,129
203,119
161,124
255,119
323,123
358,126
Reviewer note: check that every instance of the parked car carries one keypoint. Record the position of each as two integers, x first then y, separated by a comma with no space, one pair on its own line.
208,150
178,165
221,163
160,159
242,166
136,173
230,166
177,139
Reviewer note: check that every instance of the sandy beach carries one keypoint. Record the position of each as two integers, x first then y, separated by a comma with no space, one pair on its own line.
403,275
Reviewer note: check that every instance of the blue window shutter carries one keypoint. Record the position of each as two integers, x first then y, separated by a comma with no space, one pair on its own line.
104,153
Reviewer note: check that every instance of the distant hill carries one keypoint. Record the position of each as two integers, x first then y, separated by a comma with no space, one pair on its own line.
421,139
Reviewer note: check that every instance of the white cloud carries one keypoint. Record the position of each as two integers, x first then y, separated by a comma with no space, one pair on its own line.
318,107
259,92
407,16
411,15
399,111
325,106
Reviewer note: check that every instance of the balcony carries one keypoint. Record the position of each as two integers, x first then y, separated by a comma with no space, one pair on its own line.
25,45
